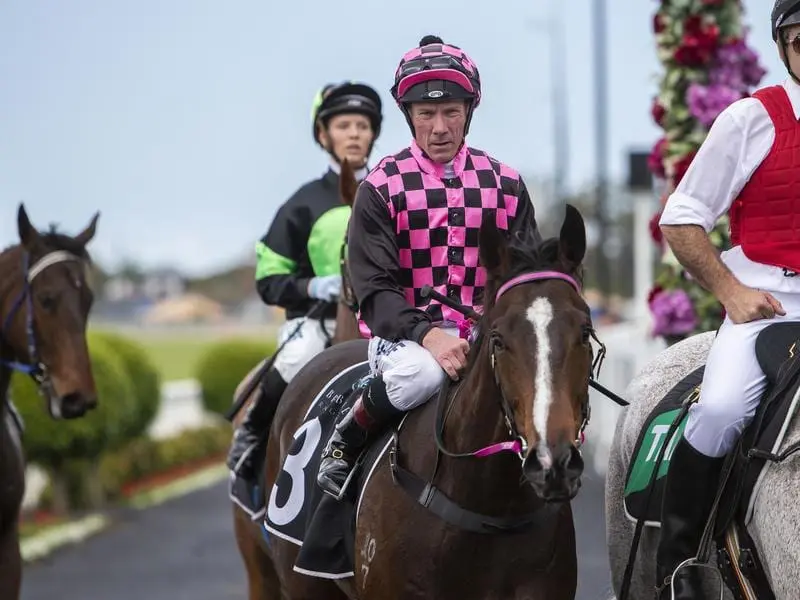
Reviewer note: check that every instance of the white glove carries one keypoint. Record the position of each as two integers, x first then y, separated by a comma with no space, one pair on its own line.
325,288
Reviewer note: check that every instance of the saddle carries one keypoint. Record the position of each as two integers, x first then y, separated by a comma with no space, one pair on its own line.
778,353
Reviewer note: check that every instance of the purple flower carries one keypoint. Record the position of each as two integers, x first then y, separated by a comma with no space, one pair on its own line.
706,102
673,313
736,65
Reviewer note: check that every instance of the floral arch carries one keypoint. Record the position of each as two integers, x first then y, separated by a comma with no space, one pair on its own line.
707,66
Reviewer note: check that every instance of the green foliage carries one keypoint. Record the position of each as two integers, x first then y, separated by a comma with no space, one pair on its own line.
222,368
51,442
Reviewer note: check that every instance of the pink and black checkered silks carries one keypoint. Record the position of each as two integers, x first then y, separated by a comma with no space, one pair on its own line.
437,222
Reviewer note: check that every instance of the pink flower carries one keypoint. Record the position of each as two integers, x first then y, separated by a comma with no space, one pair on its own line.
673,313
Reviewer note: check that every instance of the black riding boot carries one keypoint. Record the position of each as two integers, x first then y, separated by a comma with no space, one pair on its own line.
370,413
690,490
251,435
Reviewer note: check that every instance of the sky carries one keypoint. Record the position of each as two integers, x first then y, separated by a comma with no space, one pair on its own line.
186,123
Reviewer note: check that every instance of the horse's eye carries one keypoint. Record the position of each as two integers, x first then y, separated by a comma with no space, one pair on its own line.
586,333
47,301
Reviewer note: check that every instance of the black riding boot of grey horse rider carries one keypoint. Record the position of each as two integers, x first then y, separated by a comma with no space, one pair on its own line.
691,486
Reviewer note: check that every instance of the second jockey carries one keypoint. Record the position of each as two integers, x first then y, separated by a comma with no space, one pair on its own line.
748,166
298,258
415,222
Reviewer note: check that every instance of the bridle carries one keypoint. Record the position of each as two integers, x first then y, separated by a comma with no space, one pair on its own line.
517,442
347,297
35,368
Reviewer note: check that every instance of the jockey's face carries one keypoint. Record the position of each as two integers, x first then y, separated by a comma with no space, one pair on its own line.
348,136
439,127
791,35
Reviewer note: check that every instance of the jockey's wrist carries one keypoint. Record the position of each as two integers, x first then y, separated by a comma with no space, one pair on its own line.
302,285
420,330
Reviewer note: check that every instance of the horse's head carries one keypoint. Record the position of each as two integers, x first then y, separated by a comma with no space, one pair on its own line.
539,329
45,302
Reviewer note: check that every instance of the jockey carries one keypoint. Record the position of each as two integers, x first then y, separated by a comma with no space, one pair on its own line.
748,165
418,214
298,258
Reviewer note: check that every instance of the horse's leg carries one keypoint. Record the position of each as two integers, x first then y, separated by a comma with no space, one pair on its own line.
262,580
10,564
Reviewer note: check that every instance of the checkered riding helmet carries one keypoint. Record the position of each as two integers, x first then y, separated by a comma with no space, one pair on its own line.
436,71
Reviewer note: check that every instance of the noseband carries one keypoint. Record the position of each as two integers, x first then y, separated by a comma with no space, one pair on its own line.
517,443
36,369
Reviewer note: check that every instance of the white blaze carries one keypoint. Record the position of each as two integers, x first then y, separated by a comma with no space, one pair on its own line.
540,314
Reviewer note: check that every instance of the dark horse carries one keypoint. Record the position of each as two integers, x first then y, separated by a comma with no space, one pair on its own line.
44,305
248,537
527,386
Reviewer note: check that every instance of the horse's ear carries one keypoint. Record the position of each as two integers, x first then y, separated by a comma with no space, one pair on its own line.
347,184
572,239
494,254
85,236
28,234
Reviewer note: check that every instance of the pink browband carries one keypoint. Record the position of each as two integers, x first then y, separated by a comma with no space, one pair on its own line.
536,276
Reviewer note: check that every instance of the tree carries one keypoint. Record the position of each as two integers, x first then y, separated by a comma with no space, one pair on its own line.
707,66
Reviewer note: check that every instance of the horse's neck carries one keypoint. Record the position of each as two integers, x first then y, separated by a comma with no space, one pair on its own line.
491,484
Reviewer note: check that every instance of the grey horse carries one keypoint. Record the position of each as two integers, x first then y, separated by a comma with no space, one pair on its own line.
775,527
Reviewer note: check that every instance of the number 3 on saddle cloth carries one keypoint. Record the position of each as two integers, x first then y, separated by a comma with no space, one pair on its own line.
298,510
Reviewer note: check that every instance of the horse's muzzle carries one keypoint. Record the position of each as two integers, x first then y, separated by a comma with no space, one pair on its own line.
554,472
71,406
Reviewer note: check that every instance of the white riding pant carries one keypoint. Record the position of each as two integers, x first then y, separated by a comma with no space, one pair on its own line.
733,383
410,373
309,341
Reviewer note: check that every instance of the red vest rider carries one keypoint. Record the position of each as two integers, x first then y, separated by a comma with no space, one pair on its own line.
749,165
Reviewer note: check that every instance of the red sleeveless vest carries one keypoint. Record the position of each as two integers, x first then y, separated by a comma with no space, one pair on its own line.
765,217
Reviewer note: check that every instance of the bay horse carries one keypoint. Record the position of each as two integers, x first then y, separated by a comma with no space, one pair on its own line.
525,390
45,301
248,537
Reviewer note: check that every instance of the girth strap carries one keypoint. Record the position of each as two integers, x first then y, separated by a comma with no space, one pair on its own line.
438,503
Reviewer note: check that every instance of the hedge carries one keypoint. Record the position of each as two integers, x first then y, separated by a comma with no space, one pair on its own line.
51,442
223,366
144,376
135,462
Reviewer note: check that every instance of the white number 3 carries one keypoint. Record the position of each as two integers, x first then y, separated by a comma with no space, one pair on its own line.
294,466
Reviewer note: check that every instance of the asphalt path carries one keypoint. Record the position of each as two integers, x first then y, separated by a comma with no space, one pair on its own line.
184,549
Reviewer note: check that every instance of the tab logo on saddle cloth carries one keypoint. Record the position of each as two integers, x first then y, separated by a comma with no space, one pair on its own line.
652,442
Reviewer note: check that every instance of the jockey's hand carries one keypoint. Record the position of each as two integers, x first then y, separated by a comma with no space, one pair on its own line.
744,304
325,288
449,351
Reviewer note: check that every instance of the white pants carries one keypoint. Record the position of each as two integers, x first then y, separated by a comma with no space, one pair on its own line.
305,345
733,384
410,373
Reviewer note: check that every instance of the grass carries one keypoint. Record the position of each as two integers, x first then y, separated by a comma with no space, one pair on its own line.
176,353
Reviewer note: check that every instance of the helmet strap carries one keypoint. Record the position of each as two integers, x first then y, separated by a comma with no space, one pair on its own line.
785,48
